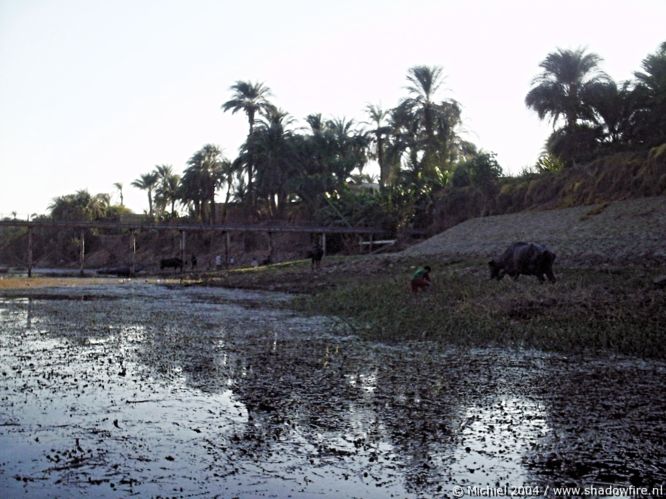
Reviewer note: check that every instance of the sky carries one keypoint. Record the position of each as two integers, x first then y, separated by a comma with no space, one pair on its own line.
94,92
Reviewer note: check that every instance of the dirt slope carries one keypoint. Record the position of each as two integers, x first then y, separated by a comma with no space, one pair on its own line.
630,230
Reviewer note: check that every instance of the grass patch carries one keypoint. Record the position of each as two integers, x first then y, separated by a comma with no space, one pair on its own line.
586,310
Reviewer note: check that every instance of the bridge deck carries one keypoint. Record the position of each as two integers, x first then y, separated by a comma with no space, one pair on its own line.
194,227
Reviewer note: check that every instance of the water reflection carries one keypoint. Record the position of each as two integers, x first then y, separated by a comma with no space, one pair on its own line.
189,389
493,439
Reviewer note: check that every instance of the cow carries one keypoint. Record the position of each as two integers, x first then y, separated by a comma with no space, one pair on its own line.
524,258
174,263
315,255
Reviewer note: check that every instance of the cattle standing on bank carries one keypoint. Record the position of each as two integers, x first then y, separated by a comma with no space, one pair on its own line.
315,255
524,258
175,263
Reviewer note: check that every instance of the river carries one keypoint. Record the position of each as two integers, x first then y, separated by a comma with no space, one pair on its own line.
142,389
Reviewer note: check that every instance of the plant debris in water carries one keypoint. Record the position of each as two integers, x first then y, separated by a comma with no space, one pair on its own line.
198,391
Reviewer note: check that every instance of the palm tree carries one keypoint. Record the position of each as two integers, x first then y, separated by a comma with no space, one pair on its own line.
379,135
424,83
650,95
613,109
147,182
119,186
424,129
201,179
250,98
167,188
565,86
270,148
227,170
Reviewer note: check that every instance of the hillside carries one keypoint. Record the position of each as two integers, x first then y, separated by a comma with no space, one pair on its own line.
623,231
616,177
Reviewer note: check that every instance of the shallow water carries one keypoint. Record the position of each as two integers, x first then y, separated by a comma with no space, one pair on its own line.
144,390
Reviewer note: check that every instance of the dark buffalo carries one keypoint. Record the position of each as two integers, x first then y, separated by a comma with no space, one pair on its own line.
315,255
524,258
175,263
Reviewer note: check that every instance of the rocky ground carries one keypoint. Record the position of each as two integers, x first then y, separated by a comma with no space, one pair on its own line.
633,230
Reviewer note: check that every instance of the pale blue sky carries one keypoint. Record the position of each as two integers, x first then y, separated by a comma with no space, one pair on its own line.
94,92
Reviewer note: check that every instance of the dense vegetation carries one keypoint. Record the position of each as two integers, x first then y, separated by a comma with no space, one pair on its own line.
587,310
425,168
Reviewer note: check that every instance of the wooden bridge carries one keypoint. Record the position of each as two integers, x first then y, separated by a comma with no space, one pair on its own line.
133,227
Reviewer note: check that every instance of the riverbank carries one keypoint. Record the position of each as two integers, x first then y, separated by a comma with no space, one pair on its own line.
591,308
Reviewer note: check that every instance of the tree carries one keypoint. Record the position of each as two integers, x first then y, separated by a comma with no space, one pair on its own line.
201,179
147,182
167,188
379,134
80,206
436,121
424,146
250,98
481,170
270,149
614,107
563,89
119,186
650,95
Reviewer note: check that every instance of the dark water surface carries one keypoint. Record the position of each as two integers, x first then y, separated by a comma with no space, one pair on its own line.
143,390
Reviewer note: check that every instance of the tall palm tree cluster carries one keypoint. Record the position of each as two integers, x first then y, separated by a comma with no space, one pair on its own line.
592,114
415,145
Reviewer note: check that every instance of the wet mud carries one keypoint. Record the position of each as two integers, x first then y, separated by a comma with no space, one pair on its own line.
144,390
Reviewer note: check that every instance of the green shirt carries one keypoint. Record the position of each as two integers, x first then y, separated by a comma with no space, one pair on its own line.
420,272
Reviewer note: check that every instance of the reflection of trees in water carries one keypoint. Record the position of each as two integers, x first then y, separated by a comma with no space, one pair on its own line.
395,413
346,399
608,421
422,396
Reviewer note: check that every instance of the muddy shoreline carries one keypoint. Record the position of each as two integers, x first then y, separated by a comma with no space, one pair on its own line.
153,390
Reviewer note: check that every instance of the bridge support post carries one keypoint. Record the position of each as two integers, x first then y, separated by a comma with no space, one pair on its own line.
132,248
270,246
29,251
227,243
82,251
182,248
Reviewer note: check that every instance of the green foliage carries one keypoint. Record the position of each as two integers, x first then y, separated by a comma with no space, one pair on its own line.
599,116
207,171
147,182
650,95
481,170
548,163
358,209
574,144
564,86
584,311
80,206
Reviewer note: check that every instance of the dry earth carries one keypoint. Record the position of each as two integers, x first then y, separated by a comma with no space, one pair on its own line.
624,231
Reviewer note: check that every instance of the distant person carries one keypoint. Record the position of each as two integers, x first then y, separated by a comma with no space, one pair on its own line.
218,262
255,262
194,261
421,279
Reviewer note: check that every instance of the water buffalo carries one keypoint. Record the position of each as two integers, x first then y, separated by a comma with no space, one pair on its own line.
174,263
316,254
524,258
